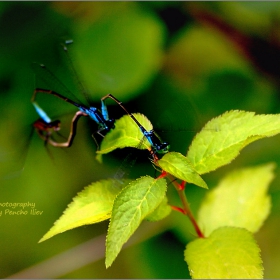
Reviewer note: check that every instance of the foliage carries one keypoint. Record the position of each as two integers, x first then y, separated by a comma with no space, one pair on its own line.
228,253
233,202
229,215
179,63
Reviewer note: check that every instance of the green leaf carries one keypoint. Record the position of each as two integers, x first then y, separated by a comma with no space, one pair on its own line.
126,134
92,205
222,138
239,200
135,202
180,167
228,253
119,54
162,211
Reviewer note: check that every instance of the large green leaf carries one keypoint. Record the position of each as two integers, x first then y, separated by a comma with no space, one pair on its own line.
222,138
180,167
239,200
126,134
228,253
120,53
135,202
92,205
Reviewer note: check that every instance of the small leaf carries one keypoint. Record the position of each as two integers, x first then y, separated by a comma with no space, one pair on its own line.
228,253
140,198
180,167
239,200
92,205
222,138
162,211
126,134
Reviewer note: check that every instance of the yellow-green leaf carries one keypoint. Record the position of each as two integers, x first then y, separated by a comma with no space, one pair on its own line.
239,200
228,253
162,211
222,138
134,203
180,167
92,205
126,134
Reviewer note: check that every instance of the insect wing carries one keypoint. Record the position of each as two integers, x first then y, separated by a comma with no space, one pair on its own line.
13,154
51,82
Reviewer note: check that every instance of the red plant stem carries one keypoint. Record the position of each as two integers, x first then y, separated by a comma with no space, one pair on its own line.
162,175
183,185
181,191
186,208
179,209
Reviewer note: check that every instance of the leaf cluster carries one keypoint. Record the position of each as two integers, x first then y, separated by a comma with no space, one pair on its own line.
228,216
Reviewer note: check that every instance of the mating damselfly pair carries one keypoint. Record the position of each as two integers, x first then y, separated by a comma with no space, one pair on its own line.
45,127
50,128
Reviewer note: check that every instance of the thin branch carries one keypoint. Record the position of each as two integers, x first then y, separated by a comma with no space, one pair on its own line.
186,207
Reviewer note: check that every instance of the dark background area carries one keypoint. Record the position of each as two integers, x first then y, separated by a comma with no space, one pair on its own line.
178,63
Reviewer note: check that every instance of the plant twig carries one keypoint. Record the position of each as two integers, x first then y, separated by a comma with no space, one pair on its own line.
186,208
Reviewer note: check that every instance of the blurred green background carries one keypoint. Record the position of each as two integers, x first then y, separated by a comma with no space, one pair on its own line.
179,63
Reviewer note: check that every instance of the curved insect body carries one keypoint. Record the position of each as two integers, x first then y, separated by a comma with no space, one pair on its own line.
45,127
45,130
